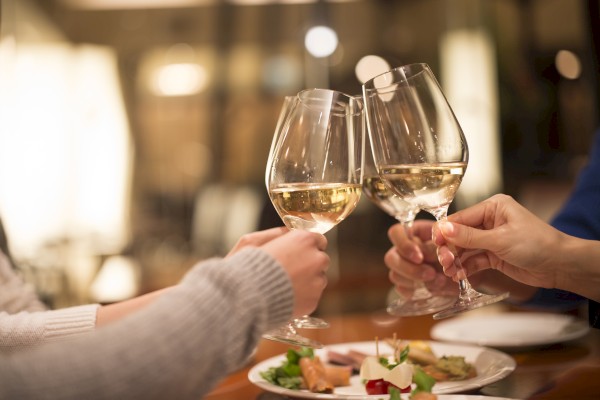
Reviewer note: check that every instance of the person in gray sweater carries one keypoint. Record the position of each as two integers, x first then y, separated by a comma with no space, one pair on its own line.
183,342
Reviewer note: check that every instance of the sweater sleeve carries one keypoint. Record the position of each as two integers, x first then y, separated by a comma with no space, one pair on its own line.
28,329
25,320
15,294
178,347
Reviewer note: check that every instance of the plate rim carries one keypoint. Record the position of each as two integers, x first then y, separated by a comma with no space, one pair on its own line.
581,329
471,384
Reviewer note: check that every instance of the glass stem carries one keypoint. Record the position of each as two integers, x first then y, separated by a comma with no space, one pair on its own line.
464,286
463,283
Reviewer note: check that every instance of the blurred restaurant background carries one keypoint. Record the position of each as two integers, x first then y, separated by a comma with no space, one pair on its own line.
134,133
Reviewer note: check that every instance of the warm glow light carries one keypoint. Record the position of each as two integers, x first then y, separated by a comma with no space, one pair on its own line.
469,80
117,280
134,4
180,79
141,4
568,64
321,41
263,2
64,149
369,67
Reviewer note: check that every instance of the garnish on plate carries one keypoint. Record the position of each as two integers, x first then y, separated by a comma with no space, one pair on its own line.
289,374
302,369
314,375
382,373
394,374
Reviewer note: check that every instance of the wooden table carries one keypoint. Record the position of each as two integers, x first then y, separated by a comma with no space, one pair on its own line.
566,371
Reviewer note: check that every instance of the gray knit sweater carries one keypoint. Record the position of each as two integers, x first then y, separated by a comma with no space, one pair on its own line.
178,347
25,321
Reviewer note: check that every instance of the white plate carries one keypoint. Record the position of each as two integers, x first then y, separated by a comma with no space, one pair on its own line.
511,330
492,365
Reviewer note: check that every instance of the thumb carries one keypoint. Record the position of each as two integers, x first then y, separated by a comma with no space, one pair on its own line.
465,237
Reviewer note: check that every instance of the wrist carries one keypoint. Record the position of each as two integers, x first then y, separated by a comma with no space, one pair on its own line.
579,271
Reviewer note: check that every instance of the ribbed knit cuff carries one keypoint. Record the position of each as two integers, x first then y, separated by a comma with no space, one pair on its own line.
70,321
32,328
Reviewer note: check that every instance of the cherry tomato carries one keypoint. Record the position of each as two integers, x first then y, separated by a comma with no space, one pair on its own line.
379,386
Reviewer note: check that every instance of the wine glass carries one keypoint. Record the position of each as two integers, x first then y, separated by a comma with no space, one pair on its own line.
422,300
314,171
420,152
288,103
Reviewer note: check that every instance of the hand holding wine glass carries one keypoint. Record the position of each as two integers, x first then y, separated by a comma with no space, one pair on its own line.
314,171
420,152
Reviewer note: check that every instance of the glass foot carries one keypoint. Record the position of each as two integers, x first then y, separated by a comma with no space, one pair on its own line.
414,307
285,335
306,322
470,300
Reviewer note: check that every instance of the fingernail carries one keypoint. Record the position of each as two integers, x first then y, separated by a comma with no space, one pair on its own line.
416,257
447,228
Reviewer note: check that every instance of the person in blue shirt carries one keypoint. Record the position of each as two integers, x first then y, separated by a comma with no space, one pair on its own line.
564,257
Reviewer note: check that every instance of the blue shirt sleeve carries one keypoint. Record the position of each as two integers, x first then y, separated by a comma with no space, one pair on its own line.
580,217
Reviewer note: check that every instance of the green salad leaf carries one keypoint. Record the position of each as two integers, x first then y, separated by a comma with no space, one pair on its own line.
394,393
288,375
423,381
404,354
391,365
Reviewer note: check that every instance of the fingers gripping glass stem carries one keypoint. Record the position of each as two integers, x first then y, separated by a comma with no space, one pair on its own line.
468,298
422,301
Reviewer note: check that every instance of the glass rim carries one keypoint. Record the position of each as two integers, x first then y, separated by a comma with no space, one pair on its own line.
346,100
392,84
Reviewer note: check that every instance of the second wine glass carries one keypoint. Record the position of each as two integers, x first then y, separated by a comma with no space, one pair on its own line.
314,171
422,301
421,153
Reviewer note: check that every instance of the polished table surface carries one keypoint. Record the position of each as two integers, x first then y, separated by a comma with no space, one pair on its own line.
565,371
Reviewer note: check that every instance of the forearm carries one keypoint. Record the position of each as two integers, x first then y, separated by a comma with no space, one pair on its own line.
116,311
579,267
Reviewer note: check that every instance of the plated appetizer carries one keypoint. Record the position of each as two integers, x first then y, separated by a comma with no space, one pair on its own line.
409,367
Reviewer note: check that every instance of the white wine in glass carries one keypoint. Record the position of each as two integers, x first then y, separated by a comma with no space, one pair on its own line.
314,172
420,152
422,301
314,207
